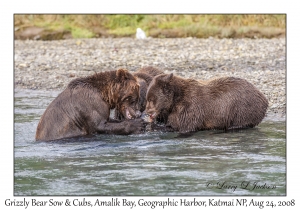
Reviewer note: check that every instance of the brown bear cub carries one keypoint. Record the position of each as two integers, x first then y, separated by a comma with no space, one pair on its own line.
143,76
84,106
188,105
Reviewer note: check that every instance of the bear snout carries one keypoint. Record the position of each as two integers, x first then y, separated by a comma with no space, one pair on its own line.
151,112
131,113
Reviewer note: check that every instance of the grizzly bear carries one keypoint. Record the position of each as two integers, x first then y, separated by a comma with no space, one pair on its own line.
143,76
83,108
189,105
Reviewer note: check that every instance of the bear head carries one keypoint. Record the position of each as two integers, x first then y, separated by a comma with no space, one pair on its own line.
160,95
126,93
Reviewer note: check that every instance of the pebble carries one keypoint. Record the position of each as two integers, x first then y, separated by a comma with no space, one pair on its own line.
51,65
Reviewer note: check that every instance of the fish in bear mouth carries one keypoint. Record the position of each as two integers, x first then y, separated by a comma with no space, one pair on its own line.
130,114
147,118
152,116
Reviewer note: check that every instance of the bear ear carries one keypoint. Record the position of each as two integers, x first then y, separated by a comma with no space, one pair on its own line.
123,74
168,78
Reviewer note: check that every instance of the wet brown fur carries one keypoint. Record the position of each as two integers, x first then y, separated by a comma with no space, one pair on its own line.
84,106
189,105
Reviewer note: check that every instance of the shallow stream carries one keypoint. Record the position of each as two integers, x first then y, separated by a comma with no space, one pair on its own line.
247,162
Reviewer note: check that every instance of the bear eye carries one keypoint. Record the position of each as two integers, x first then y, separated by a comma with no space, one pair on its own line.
128,98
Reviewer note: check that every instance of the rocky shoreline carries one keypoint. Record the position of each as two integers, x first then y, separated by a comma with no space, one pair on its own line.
51,65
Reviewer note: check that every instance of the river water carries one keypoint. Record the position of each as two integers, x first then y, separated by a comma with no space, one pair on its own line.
245,162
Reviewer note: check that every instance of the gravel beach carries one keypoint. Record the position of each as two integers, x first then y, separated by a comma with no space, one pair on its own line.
51,65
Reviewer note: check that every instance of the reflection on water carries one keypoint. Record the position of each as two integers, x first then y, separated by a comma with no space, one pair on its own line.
206,163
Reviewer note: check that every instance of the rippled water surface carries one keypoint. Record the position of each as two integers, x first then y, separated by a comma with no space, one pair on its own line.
247,162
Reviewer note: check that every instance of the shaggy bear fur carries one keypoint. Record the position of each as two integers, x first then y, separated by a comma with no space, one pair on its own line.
189,105
84,107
